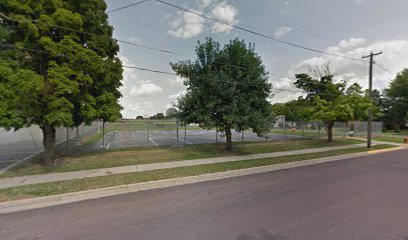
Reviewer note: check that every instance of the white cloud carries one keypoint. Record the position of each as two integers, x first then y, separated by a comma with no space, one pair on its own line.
346,45
145,90
394,59
176,81
177,95
186,25
226,13
282,31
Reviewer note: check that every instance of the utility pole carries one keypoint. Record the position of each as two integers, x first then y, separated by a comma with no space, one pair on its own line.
370,91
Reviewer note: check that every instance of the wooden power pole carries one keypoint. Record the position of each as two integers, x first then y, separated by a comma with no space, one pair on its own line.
370,91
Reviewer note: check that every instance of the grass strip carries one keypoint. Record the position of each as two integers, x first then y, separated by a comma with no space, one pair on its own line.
145,155
45,189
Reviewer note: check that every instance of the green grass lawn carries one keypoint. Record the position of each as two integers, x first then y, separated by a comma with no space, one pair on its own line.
387,137
143,155
45,189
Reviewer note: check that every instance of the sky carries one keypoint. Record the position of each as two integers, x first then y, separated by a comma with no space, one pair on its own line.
351,28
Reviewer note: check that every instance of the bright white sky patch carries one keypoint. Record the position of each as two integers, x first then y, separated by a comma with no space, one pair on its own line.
186,25
394,59
146,90
150,24
226,13
282,31
177,95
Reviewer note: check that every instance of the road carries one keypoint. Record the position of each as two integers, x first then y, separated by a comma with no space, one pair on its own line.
362,198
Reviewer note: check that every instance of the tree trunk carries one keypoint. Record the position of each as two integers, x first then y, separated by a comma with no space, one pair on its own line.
228,141
329,127
49,143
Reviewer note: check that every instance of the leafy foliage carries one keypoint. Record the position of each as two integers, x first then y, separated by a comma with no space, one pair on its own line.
331,102
396,100
227,88
53,73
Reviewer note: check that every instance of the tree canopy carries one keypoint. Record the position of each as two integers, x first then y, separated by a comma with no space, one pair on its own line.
331,101
227,88
396,101
58,65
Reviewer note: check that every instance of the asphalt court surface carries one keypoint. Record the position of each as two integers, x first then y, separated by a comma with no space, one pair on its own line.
17,146
123,139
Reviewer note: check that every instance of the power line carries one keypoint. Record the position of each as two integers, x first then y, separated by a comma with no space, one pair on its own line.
157,71
259,34
173,74
126,6
298,27
151,48
143,46
384,68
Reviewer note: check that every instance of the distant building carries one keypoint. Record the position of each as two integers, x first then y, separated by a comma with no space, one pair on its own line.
171,112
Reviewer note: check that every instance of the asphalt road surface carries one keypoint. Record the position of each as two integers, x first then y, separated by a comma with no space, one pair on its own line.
365,198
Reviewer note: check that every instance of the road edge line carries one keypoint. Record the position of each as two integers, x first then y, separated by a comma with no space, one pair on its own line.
66,198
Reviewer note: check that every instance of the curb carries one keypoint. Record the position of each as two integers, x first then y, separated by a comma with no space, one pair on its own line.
55,200
63,176
385,150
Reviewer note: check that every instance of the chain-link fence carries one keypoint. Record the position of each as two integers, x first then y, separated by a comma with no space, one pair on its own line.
133,133
317,130
18,145
142,133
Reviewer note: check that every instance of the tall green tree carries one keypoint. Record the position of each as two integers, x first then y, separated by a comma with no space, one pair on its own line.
227,88
61,66
396,98
292,110
331,102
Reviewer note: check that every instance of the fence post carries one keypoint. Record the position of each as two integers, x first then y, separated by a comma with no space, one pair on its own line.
177,129
185,134
77,136
303,130
32,138
148,132
103,134
345,129
66,139
242,137
216,136
318,130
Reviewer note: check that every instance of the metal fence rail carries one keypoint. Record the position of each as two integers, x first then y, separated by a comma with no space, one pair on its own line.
168,132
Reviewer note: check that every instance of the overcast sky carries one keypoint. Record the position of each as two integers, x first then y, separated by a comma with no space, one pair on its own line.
347,27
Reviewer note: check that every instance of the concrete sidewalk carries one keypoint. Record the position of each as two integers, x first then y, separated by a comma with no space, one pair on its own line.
53,177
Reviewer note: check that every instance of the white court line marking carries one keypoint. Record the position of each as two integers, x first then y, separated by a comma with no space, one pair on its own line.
151,140
5,153
109,144
184,141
